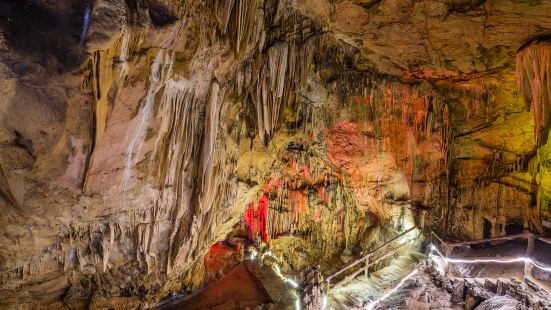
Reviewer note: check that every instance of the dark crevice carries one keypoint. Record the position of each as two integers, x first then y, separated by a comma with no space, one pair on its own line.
25,143
161,16
44,30
465,6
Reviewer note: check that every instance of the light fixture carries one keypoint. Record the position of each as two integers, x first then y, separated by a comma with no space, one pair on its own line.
254,253
372,304
490,260
293,283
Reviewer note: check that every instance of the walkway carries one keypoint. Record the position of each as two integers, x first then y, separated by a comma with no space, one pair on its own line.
358,293
249,285
507,249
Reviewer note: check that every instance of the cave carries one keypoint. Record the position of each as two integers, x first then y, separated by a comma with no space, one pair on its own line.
275,154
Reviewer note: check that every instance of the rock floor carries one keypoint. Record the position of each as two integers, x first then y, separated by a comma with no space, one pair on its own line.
494,271
250,285
419,293
359,292
239,288
470,286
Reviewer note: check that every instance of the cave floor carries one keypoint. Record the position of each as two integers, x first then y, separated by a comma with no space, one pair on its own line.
419,293
493,271
511,249
250,285
254,285
358,293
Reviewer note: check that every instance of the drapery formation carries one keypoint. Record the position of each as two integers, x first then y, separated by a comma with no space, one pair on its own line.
534,82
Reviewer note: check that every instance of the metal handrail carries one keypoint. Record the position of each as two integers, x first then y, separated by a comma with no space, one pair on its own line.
524,235
502,238
366,260
529,236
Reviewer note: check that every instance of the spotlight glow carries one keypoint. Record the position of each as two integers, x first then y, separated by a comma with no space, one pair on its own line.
372,304
490,260
277,270
324,302
253,254
293,283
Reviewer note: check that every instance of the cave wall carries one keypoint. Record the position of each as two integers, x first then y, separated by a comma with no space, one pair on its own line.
143,131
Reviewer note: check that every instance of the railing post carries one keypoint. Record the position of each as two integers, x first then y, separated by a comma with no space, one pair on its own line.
531,241
448,253
421,219
366,270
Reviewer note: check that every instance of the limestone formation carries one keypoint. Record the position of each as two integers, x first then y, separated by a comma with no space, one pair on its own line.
136,135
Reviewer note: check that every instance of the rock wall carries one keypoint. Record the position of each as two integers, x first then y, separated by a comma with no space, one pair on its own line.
135,134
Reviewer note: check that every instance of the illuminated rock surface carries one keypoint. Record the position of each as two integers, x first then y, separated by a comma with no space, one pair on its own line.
145,145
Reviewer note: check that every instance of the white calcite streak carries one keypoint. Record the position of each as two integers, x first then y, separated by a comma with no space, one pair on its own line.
161,68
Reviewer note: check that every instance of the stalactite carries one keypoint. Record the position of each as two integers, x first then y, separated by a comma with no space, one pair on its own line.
98,77
6,191
241,20
534,81
533,70
161,69
274,75
128,43
176,151
403,118
277,66
256,218
209,166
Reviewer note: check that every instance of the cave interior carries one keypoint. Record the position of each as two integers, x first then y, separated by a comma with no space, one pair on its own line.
275,154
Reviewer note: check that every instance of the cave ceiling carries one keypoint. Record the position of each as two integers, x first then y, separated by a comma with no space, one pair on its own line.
136,134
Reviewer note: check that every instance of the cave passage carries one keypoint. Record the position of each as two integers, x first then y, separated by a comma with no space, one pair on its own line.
275,154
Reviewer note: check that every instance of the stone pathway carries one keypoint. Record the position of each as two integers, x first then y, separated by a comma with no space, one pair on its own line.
430,289
281,293
359,292
248,286
494,271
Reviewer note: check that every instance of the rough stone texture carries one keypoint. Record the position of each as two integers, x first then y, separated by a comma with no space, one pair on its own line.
499,302
475,294
458,291
135,134
447,39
